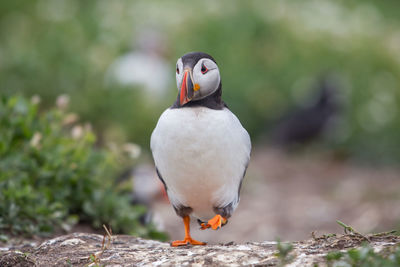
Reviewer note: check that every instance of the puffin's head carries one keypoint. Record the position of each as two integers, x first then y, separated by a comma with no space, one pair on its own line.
197,76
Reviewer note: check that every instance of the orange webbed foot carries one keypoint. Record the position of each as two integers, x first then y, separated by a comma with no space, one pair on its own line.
215,223
204,226
187,241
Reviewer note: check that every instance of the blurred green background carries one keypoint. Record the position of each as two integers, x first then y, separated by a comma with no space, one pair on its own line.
115,62
270,54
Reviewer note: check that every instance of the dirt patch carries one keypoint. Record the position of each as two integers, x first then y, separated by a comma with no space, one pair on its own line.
17,259
80,249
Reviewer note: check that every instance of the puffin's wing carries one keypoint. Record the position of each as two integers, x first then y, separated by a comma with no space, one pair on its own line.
161,179
244,174
247,150
158,172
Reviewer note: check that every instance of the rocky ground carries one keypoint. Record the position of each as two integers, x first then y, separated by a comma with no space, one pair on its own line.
84,249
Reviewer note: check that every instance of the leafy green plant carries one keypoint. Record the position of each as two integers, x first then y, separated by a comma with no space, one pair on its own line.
350,230
365,257
52,176
283,253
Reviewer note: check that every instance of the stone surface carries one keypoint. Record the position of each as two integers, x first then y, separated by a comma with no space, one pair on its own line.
83,249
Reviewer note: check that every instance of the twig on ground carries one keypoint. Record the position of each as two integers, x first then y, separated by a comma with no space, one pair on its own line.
385,233
95,257
350,230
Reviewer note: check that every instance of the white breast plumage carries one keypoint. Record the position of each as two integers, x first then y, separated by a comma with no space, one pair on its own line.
201,154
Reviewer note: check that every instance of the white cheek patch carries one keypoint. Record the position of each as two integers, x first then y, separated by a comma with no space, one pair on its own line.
208,81
178,81
179,66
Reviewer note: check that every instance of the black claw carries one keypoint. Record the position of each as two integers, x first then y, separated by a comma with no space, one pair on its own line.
200,222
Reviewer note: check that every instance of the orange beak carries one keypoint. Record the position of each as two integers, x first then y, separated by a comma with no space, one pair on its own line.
186,93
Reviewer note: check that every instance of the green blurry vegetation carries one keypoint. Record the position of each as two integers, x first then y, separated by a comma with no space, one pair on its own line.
284,253
270,54
51,176
365,257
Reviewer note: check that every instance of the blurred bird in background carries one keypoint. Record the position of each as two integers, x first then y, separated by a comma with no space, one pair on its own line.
303,125
140,66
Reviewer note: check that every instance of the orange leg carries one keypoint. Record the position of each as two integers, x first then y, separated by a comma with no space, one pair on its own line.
188,239
215,223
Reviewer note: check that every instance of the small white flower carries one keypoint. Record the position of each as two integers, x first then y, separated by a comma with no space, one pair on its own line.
77,132
36,139
35,99
132,149
62,101
70,118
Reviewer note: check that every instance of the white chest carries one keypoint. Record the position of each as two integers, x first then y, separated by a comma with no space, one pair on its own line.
201,154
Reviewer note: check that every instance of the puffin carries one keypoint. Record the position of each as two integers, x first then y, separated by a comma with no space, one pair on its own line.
306,124
200,149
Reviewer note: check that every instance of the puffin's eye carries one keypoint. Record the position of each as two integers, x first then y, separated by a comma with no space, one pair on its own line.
177,69
204,69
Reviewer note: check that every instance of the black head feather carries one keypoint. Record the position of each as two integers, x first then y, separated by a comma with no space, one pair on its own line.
190,59
213,101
